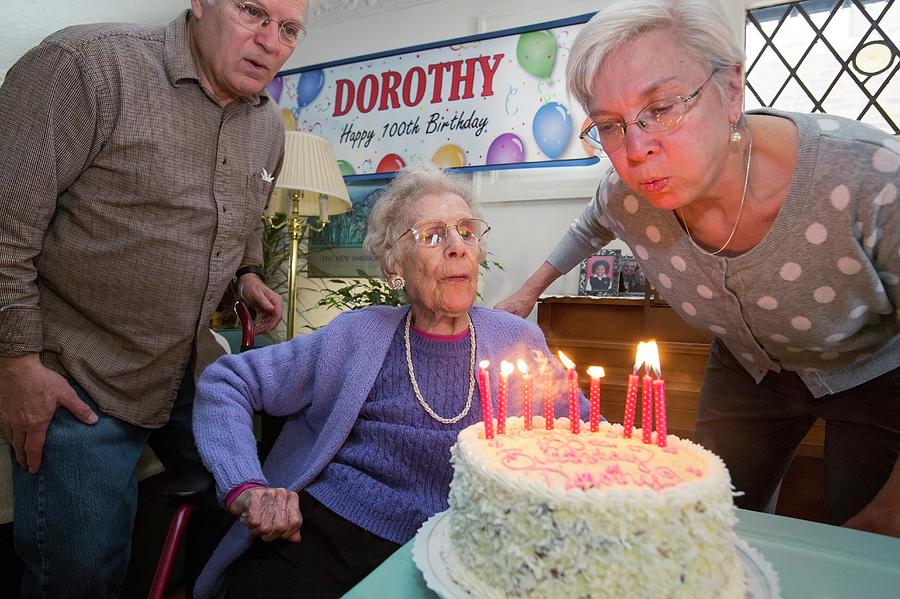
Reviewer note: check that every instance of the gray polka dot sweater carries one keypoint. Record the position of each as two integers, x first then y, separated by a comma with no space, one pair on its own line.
818,295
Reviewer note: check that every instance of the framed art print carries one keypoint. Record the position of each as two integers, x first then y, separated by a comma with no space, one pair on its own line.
600,273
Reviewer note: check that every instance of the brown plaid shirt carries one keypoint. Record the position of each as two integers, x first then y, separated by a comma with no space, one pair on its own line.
128,198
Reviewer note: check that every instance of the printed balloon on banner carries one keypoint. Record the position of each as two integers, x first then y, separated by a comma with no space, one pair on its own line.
346,168
308,86
536,52
552,128
290,123
449,156
274,89
389,164
507,148
588,149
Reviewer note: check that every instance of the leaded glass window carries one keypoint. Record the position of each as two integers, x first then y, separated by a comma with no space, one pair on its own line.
833,56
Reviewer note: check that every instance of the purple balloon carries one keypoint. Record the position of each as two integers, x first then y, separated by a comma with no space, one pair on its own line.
507,148
274,89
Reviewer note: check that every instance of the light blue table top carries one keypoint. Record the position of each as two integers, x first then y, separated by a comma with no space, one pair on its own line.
813,561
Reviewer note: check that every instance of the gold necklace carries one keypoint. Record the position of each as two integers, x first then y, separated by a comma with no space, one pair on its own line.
740,210
415,385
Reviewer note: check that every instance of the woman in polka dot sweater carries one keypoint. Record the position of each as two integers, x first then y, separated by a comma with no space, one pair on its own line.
777,232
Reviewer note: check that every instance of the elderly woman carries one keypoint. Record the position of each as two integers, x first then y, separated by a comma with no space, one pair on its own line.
777,232
374,402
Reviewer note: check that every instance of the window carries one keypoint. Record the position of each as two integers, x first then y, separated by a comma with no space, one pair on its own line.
833,56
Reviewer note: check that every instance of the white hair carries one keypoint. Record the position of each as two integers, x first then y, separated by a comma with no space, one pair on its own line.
700,27
390,216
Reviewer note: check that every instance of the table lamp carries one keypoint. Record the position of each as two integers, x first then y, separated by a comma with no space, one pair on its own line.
310,184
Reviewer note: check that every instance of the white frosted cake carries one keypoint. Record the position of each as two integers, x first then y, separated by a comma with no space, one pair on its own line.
551,514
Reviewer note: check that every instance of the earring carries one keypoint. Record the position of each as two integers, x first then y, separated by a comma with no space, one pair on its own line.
736,135
397,282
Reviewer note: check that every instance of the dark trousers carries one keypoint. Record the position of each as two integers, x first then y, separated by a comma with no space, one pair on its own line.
332,556
756,429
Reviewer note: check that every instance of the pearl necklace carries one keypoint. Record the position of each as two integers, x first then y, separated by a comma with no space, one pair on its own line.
415,385
740,211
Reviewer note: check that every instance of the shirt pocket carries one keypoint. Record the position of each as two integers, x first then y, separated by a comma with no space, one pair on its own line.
256,194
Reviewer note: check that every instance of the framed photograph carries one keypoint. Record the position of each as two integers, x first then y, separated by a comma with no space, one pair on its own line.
631,277
600,273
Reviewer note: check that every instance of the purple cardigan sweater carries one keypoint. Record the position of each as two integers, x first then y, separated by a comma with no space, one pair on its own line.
320,382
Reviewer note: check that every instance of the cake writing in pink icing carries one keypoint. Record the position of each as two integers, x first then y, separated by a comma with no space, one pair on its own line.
591,463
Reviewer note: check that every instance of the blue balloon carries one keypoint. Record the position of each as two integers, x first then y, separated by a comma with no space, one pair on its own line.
552,128
308,86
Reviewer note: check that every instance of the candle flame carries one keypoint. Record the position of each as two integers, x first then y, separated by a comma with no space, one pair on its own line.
569,364
523,367
652,358
484,364
639,357
506,368
596,372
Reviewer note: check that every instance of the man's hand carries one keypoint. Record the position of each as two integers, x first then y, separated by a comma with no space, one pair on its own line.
882,514
29,396
267,303
269,513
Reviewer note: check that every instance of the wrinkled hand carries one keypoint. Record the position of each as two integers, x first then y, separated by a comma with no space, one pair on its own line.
29,396
882,514
520,303
267,303
269,513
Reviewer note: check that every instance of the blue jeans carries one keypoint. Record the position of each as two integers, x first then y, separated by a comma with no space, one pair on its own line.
74,518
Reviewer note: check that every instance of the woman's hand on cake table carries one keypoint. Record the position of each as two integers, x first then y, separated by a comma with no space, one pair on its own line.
269,513
882,514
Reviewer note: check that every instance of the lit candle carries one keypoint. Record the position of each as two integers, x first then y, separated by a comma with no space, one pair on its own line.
484,387
506,369
646,407
526,393
631,393
596,373
659,397
548,398
572,379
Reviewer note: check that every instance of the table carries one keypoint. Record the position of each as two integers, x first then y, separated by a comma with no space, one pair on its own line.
812,560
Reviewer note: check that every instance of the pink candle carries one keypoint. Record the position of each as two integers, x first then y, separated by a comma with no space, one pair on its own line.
630,402
646,409
548,399
572,393
484,387
502,392
659,398
526,393
596,373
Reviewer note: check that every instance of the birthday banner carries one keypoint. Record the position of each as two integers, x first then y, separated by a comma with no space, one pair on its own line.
492,101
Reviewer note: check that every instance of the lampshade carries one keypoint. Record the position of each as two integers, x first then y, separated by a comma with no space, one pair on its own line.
311,171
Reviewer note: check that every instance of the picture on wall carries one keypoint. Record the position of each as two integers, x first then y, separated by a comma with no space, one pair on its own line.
600,273
337,250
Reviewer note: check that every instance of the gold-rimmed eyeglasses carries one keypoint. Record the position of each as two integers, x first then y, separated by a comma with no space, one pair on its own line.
254,17
658,117
432,233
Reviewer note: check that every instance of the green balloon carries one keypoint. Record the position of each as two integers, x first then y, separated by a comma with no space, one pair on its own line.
536,52
346,168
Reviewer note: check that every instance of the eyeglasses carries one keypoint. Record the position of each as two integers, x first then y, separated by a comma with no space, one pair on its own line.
657,117
432,233
254,17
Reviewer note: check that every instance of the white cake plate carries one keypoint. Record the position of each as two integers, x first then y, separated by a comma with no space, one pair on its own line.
431,540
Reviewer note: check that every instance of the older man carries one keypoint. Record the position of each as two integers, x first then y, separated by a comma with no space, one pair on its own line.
135,164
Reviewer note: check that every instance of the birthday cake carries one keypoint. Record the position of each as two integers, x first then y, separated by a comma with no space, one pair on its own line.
548,513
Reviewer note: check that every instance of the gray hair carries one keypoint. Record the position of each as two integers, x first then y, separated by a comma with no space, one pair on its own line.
389,218
698,26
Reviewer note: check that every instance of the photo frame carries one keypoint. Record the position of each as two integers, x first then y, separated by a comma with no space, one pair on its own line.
600,273
631,278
